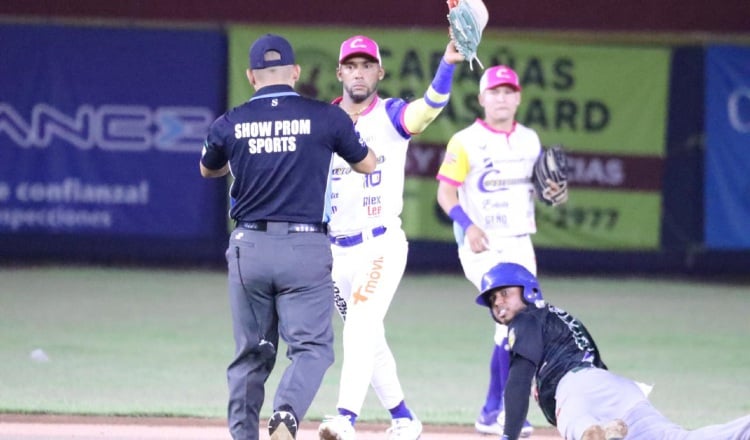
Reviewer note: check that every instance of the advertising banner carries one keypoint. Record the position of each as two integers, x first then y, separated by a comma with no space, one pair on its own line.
727,194
101,130
606,104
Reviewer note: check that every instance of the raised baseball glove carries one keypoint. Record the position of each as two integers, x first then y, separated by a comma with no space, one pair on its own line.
550,176
467,19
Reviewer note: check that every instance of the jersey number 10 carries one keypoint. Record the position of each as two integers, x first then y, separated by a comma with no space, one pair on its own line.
372,179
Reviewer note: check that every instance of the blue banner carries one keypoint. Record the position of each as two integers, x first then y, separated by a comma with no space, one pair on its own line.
101,130
727,165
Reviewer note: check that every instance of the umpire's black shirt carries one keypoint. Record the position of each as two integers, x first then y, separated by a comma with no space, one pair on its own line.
279,146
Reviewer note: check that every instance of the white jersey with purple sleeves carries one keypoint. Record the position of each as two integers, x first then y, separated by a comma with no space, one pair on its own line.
374,199
370,247
366,275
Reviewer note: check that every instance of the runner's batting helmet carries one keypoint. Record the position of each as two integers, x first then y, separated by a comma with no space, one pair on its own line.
509,274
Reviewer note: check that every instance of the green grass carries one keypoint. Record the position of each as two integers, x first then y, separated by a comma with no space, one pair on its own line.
150,342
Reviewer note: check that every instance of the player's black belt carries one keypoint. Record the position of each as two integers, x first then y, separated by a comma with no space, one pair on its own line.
353,240
262,225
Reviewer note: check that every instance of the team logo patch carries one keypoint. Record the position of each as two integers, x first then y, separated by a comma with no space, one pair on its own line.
511,338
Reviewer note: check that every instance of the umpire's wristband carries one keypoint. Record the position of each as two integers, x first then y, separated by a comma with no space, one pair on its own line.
459,216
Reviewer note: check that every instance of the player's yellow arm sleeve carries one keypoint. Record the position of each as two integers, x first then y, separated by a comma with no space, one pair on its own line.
421,112
455,165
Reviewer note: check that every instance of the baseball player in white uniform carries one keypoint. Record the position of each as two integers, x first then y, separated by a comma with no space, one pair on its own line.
369,246
485,187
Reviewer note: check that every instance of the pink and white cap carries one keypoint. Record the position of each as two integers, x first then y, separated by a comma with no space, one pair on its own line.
359,45
499,76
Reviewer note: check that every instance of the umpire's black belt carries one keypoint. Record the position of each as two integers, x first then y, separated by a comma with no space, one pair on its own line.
353,240
262,225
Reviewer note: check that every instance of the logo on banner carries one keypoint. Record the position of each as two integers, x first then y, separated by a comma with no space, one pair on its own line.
109,127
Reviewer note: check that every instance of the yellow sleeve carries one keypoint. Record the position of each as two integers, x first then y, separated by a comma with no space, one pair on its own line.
421,112
455,166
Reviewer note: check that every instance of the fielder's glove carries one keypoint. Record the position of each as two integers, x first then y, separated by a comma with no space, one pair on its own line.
550,176
467,19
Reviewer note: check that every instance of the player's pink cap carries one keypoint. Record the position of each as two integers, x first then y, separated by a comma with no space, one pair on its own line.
359,45
499,76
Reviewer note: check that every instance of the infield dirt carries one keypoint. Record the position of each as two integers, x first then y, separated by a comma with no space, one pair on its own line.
58,427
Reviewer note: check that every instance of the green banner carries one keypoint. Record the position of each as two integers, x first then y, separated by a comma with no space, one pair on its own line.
593,220
595,98
601,220
602,99
606,103
410,57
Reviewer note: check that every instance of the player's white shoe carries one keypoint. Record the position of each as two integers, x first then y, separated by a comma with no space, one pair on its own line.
336,427
527,429
494,423
487,423
405,429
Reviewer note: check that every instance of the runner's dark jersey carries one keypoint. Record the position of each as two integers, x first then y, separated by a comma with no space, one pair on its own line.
556,343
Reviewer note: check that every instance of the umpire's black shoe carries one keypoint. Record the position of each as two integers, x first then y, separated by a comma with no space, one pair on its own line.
282,426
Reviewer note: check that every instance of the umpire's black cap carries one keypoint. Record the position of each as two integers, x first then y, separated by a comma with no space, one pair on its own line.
271,42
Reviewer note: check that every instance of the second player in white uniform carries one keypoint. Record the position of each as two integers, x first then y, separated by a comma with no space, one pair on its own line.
369,246
485,187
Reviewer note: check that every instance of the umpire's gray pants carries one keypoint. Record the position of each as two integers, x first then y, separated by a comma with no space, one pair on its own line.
279,284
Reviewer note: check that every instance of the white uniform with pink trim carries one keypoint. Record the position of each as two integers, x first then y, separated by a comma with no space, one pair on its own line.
369,254
492,170
376,199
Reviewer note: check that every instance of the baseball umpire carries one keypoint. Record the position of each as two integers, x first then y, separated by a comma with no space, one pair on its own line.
576,392
279,147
